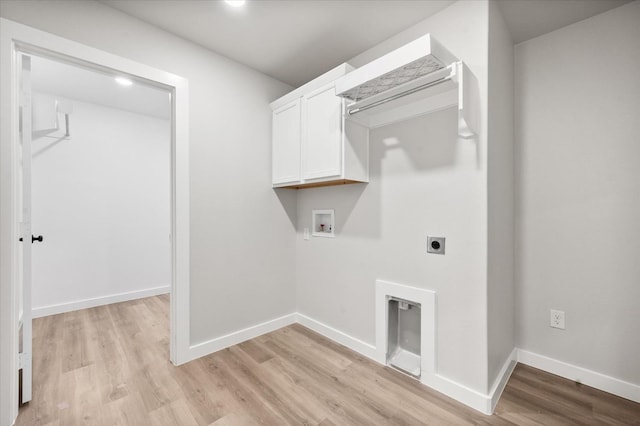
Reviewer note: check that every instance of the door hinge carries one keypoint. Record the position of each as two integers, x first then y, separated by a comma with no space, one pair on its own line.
24,359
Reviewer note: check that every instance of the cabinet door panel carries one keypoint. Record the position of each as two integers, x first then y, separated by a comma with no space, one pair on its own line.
322,135
286,143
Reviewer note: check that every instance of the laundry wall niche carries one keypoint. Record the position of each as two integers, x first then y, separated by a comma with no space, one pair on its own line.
323,223
404,335
416,355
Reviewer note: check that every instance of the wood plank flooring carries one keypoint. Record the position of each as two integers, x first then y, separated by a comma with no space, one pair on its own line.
109,366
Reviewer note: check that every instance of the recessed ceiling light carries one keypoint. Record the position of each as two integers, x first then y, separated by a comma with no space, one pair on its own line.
123,81
235,3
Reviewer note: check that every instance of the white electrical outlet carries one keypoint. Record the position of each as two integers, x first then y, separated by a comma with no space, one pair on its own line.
556,319
305,234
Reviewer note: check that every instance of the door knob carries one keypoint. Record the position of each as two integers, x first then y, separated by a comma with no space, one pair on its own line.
38,238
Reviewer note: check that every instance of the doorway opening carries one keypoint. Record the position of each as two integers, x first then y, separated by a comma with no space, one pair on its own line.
100,188
18,45
95,155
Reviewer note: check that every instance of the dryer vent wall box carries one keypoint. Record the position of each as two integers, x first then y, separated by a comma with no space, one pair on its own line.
403,336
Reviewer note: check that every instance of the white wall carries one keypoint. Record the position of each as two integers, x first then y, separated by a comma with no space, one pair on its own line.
500,278
430,183
101,199
578,203
241,270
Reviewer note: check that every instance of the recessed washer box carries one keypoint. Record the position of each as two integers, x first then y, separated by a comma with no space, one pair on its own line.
323,223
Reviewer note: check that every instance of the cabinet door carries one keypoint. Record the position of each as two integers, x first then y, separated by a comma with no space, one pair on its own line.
286,143
322,134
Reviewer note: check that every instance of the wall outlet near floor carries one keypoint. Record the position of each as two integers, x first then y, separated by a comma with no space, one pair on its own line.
556,319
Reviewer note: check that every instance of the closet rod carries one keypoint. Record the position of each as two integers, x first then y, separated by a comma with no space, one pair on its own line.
398,96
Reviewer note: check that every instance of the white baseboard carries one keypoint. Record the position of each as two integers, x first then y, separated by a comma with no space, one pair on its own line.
338,336
223,342
582,375
461,393
477,400
44,311
503,377
484,403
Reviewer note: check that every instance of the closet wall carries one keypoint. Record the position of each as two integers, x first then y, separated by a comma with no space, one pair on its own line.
101,199
578,193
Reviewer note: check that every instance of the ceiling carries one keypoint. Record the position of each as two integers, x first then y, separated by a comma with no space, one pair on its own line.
72,82
527,19
292,41
295,41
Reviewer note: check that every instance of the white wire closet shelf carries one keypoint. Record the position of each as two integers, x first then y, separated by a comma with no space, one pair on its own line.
415,79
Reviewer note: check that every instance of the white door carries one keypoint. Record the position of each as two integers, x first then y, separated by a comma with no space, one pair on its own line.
322,135
286,143
24,151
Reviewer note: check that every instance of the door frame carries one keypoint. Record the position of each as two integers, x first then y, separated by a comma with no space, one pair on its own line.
17,38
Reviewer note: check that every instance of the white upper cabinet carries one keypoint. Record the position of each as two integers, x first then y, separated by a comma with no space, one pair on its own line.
322,134
313,144
286,143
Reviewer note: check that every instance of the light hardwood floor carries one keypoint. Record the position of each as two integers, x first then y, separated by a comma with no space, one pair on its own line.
109,366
